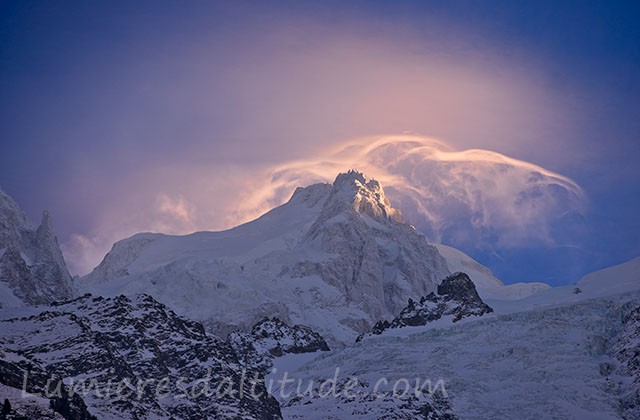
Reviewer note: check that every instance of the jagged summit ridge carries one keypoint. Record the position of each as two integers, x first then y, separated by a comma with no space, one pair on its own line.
133,339
271,338
365,196
378,257
456,296
32,268
311,195
13,221
336,257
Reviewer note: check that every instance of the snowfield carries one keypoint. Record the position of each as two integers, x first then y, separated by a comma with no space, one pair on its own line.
336,257
555,363
488,285
327,265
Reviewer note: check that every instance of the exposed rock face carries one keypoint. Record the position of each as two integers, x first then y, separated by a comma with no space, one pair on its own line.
25,408
273,338
163,365
627,351
460,293
355,399
487,284
376,257
456,296
353,192
32,269
335,257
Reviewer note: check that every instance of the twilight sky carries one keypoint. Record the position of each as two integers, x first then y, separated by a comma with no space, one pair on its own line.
183,116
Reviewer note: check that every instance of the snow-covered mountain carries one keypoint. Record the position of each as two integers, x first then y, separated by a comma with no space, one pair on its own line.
127,358
456,298
30,407
572,361
611,280
572,352
271,338
32,269
328,264
626,350
488,285
335,257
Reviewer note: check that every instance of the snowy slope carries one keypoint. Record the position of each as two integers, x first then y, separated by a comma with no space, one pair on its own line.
556,354
98,346
619,279
30,407
271,338
32,269
626,350
335,257
560,362
612,280
488,285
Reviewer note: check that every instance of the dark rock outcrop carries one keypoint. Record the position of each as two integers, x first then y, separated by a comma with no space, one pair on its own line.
31,263
456,296
627,352
270,338
130,358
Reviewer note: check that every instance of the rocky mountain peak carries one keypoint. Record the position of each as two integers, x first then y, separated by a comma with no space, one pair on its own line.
131,340
45,224
456,296
358,193
336,257
311,195
459,286
272,337
367,236
31,263
12,220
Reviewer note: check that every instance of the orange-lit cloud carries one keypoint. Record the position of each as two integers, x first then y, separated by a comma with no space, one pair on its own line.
175,208
467,195
452,196
219,141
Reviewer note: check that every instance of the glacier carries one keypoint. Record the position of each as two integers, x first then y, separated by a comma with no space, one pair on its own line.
337,257
287,294
555,362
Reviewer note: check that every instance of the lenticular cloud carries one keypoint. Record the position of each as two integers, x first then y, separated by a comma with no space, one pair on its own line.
466,197
482,202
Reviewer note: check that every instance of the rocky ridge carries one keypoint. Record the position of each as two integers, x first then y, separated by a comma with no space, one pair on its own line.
272,338
456,297
130,358
336,257
32,269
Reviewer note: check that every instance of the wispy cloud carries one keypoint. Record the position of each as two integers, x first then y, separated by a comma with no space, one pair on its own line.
226,131
475,196
470,196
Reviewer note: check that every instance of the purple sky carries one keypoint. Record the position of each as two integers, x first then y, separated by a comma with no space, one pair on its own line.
120,118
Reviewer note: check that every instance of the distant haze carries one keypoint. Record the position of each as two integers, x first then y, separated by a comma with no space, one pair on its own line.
175,117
